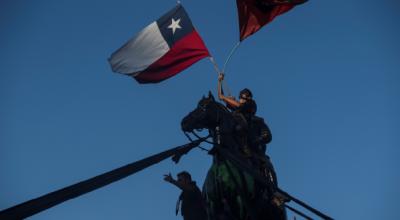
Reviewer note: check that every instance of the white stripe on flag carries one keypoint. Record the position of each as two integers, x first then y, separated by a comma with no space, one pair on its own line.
140,52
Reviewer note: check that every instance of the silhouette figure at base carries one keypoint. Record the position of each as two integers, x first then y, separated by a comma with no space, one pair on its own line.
190,199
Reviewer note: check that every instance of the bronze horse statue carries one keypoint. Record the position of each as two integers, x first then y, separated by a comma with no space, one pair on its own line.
230,192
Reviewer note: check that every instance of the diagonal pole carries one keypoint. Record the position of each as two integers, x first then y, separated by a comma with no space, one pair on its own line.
49,200
298,212
315,211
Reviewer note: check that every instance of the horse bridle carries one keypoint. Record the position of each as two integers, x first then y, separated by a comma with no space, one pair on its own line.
203,108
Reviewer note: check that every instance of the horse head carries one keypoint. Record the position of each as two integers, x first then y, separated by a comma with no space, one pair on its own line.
205,115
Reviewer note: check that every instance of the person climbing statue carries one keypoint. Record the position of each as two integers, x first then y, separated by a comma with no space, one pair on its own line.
257,132
230,101
245,108
243,111
190,199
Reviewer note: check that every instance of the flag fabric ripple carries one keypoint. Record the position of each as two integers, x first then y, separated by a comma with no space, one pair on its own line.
254,14
161,50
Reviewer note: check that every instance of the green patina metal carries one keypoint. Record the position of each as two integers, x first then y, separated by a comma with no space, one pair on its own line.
225,182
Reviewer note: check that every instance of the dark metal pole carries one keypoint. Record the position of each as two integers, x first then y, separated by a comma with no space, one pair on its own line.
49,200
298,212
320,214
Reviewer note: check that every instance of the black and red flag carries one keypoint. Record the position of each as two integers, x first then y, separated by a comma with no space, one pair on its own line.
254,14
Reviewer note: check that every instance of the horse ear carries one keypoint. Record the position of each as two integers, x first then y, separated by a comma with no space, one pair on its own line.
210,95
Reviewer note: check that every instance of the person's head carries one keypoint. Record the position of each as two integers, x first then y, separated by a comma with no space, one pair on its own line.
245,95
184,177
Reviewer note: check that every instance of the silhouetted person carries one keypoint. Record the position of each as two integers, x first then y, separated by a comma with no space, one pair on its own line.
244,96
192,204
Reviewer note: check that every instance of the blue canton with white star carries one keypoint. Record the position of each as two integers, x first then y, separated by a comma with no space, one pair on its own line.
175,25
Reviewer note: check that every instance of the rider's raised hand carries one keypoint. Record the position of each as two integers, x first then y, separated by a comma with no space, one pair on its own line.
221,77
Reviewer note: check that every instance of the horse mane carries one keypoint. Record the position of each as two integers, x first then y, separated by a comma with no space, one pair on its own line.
222,106
211,99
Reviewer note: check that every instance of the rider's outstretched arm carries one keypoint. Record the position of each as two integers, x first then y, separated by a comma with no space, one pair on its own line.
228,100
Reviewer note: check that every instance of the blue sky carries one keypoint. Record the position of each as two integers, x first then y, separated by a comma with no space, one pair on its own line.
325,77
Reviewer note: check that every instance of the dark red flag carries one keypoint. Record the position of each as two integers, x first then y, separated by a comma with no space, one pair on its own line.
253,14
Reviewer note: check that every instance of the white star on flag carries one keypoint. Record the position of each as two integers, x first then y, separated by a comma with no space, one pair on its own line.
174,25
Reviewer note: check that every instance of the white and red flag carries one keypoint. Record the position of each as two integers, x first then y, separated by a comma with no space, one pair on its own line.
161,50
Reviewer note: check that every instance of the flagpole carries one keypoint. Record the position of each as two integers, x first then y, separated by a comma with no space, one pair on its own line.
218,71
226,62
215,65
230,55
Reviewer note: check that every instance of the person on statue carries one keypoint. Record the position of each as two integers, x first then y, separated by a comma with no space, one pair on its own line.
244,96
241,112
257,132
190,199
253,127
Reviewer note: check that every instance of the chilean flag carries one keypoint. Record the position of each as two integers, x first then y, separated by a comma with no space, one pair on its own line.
161,50
254,14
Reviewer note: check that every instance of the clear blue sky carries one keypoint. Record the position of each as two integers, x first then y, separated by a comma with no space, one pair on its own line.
326,77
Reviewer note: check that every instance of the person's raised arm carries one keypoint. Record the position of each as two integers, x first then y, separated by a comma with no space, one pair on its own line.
168,177
228,100
220,92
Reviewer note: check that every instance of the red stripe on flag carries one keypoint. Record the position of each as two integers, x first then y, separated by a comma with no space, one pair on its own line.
183,54
252,17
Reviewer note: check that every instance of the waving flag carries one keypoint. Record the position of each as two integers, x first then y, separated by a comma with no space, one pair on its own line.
161,50
254,14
